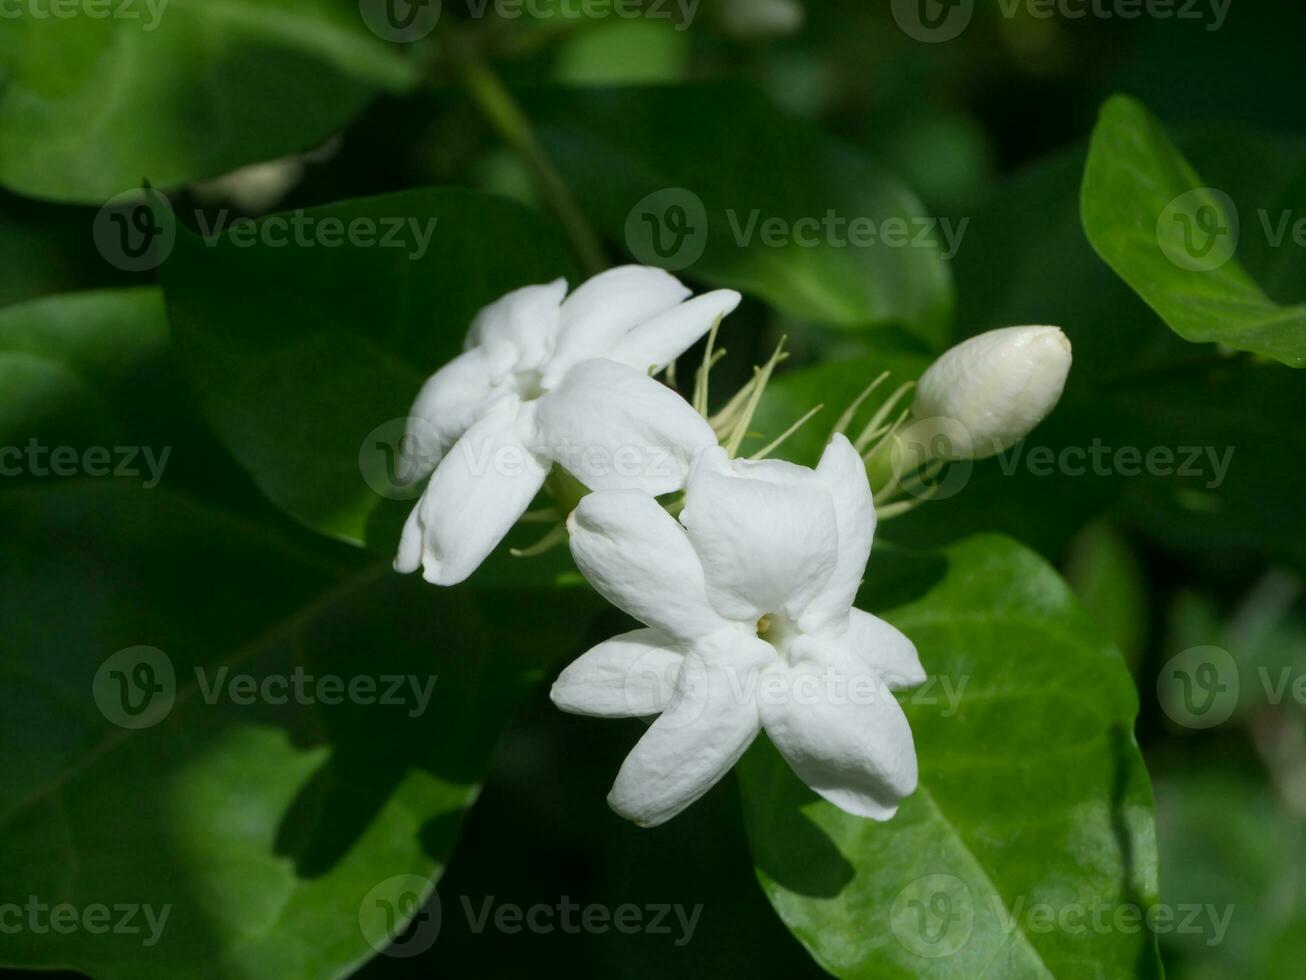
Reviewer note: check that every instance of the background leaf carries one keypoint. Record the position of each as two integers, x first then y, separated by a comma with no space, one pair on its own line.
734,162
306,357
199,90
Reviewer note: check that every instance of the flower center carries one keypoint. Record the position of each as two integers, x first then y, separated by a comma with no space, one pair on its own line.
527,384
778,630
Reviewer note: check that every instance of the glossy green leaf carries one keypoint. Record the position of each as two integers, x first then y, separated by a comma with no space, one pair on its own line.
187,89
270,827
1033,800
713,180
1174,239
307,357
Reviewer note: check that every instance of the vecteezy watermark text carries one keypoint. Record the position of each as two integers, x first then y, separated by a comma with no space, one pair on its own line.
149,12
936,21
934,916
670,228
137,688
63,919
1100,459
302,230
406,21
39,460
136,231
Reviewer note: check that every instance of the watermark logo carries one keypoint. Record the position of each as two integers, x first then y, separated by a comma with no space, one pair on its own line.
136,688
668,229
394,453
135,231
401,21
933,21
933,916
1199,230
932,458
401,916
1199,687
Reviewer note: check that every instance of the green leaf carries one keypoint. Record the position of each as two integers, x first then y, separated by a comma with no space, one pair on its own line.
1033,800
271,832
68,362
1173,239
306,358
47,250
90,107
722,166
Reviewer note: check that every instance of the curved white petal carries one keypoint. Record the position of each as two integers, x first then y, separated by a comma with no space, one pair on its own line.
450,401
842,732
882,647
765,533
520,329
629,676
637,557
603,309
653,345
614,428
480,488
710,723
844,473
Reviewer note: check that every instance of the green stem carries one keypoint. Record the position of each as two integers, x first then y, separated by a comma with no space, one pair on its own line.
499,107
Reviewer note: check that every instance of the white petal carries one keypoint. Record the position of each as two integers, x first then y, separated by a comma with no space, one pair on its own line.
708,726
842,732
637,557
765,533
633,675
883,648
614,428
842,471
450,401
602,310
651,346
520,330
480,488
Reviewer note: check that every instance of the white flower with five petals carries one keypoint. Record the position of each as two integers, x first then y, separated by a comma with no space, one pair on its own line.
548,379
748,604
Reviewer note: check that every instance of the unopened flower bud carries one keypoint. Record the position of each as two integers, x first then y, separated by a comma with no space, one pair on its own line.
994,388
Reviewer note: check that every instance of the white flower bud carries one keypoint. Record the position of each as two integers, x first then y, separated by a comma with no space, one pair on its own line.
993,389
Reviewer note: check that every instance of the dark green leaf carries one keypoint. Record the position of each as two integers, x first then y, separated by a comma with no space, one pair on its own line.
307,358
723,166
272,833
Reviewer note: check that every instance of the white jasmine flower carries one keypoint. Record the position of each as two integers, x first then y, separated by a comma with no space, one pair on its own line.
545,379
996,387
750,626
